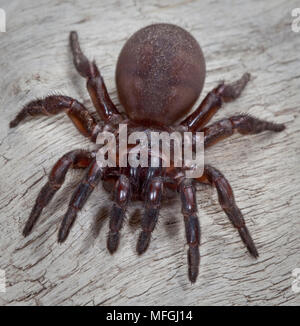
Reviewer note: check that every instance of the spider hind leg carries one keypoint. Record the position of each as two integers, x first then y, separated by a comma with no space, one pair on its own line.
227,202
79,198
74,159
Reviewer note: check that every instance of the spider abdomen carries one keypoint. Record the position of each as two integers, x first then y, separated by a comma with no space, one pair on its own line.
160,74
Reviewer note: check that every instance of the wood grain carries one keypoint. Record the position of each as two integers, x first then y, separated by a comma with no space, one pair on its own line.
236,36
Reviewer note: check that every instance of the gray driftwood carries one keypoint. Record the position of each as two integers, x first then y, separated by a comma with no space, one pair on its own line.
236,36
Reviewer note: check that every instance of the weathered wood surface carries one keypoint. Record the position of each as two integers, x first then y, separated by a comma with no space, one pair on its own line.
236,36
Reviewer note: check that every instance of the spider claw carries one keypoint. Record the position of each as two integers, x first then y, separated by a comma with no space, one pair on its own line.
193,262
246,237
113,242
277,127
229,92
27,229
143,242
13,123
253,251
34,215
246,76
73,36
66,224
62,236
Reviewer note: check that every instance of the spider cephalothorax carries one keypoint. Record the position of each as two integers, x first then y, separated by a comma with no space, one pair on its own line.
160,74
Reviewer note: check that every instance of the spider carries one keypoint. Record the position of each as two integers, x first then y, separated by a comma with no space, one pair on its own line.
160,74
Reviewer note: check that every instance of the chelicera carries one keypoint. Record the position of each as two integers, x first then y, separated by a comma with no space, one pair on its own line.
159,76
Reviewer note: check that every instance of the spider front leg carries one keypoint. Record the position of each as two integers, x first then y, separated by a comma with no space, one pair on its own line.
192,227
121,196
153,196
227,202
55,104
79,198
213,101
243,123
75,159
95,83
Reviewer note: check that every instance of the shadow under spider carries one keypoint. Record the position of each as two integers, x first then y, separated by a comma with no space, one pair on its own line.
95,228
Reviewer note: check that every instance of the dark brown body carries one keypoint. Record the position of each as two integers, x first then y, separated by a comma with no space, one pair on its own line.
160,74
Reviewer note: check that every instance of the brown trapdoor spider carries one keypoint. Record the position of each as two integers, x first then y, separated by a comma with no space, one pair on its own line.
159,76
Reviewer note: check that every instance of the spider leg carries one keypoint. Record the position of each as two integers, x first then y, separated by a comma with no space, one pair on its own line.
95,83
75,159
243,123
55,104
153,196
121,194
192,227
79,198
213,102
227,202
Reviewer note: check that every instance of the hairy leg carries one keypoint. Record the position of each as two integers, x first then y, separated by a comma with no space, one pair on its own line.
121,197
79,198
95,83
213,101
192,227
243,123
227,202
55,104
74,159
153,196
